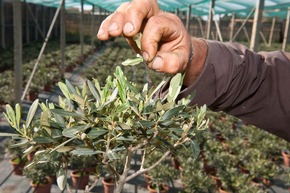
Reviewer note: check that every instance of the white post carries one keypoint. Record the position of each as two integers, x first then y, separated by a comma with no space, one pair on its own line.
232,26
82,29
93,26
286,31
257,24
210,15
3,25
188,17
272,31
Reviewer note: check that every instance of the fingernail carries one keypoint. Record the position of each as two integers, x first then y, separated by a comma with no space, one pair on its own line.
128,28
145,56
157,63
113,27
100,32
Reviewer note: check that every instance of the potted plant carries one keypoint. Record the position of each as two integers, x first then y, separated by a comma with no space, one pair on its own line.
17,158
81,166
161,176
117,117
194,178
39,181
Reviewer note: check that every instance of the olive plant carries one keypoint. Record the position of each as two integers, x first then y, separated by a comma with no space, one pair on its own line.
109,120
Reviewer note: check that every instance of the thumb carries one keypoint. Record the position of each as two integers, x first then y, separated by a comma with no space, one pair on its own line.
168,62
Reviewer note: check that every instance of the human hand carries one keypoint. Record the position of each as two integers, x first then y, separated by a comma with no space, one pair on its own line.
166,44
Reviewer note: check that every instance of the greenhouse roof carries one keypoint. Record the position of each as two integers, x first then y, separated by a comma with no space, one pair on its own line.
273,8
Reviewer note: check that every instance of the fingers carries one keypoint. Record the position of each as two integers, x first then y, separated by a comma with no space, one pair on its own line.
128,19
165,44
112,25
137,13
168,62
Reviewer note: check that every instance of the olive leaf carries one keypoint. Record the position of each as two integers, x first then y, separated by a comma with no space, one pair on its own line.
61,178
94,91
31,112
133,61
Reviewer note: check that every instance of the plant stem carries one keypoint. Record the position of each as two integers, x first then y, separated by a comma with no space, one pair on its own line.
141,171
127,166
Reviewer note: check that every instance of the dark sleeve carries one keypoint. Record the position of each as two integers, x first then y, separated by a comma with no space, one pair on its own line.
252,86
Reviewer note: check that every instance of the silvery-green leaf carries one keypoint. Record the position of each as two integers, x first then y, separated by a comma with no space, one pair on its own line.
137,38
127,138
194,149
170,113
175,87
94,91
70,132
65,149
113,155
70,87
18,115
112,97
31,112
10,115
65,113
146,124
61,178
85,151
39,139
124,126
158,87
62,144
133,61
95,133
9,135
64,90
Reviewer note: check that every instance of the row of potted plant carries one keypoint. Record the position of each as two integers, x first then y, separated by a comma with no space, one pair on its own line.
47,74
235,156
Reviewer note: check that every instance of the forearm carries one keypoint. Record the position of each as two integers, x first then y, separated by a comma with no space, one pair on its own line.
253,87
196,64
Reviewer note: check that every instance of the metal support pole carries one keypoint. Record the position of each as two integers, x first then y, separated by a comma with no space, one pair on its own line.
43,19
38,28
257,25
188,17
219,34
82,29
272,31
201,27
286,31
36,22
210,15
177,12
3,25
17,49
243,24
27,22
232,26
263,38
41,51
62,37
246,34
93,27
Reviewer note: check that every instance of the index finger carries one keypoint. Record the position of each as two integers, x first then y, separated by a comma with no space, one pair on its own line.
137,12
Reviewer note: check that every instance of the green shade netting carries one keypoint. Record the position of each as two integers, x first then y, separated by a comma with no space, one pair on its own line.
273,8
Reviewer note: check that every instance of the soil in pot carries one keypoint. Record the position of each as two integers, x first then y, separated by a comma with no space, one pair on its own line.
80,179
18,166
222,190
41,188
108,184
162,188
286,158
